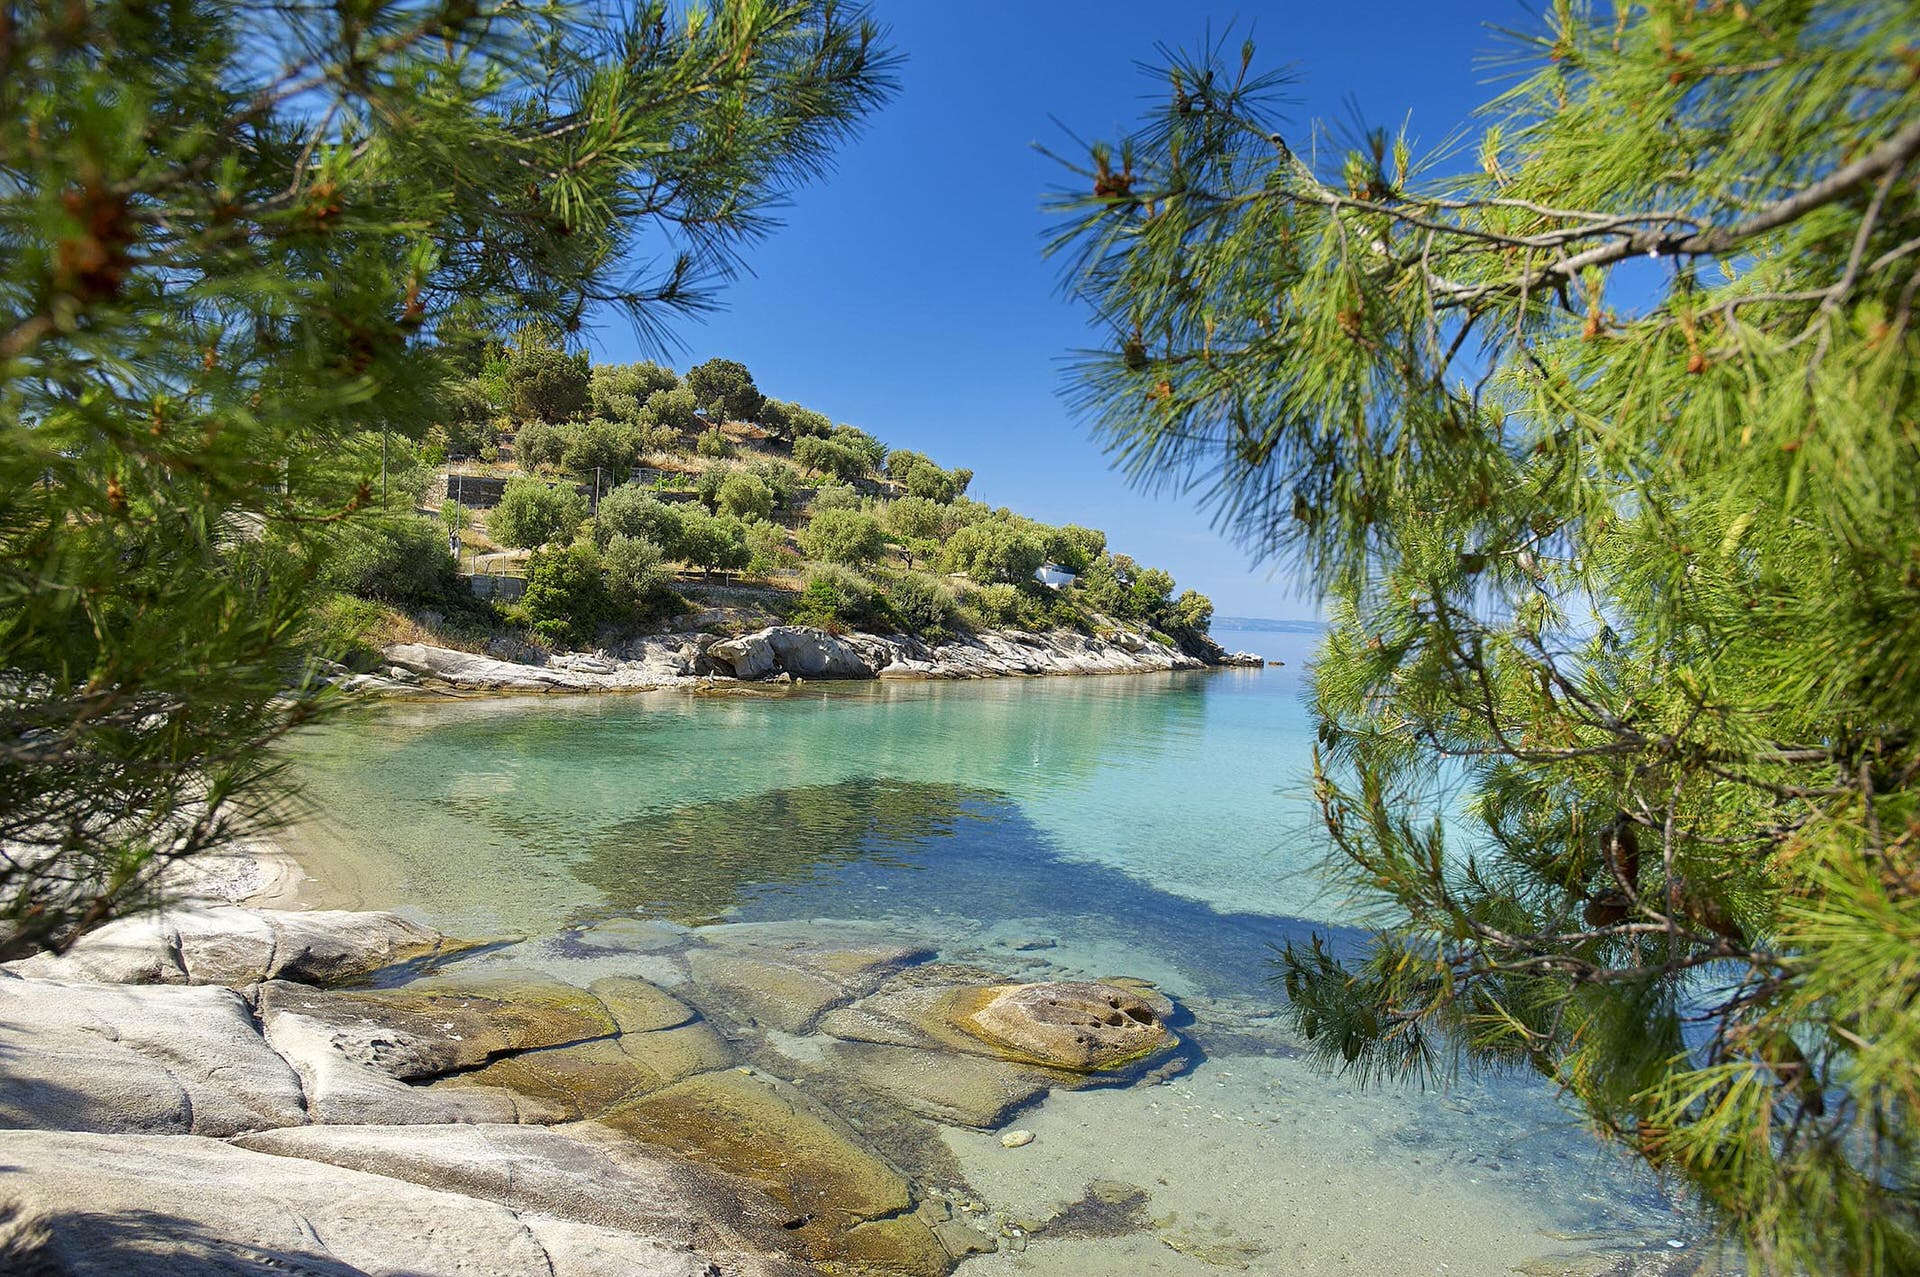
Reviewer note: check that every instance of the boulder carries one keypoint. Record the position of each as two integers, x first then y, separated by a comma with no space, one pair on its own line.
1076,1025
467,671
179,1206
126,1058
797,650
234,946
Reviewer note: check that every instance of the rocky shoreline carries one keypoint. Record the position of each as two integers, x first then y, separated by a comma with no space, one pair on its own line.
783,654
223,1088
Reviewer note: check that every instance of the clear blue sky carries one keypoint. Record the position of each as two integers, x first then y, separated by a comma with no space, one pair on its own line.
906,292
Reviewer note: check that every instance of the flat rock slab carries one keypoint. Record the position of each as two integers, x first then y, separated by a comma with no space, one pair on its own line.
586,1175
424,1031
126,1058
235,946
769,1132
771,974
960,1090
178,1206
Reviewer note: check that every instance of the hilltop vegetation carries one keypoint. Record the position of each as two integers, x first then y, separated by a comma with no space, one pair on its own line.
632,491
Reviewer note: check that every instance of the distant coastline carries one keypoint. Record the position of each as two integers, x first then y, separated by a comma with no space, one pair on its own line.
1266,625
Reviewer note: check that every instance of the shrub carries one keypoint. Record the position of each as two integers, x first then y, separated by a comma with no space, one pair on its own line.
712,443
870,449
830,456
725,387
768,550
632,511
1151,590
921,603
1191,613
933,483
350,630
601,444
650,436
995,552
713,541
999,606
791,421
539,444
674,409
532,514
1074,547
402,561
619,390
567,595
914,518
834,597
745,496
835,496
545,383
780,481
634,572
842,536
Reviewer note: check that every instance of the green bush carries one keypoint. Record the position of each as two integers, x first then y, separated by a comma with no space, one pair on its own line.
545,383
713,542
922,604
532,514
842,536
834,598
712,443
993,552
567,595
632,511
870,450
999,606
914,518
745,496
780,481
829,456
603,445
835,496
340,627
791,421
650,436
619,390
538,444
768,550
1074,547
402,561
933,483
673,409
724,387
1192,613
635,575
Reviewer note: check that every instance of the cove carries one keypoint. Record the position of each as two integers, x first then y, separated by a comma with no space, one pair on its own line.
1154,826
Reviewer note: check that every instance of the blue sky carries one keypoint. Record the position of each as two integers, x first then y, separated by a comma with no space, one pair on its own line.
906,293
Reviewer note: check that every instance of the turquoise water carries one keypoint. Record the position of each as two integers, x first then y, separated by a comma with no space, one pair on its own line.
1159,826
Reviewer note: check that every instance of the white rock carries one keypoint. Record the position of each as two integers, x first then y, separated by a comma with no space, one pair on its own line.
1017,1139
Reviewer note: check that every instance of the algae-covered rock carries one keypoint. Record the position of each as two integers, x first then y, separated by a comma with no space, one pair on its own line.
771,1133
961,1090
1076,1025
423,1031
565,1084
639,1007
779,976
903,1244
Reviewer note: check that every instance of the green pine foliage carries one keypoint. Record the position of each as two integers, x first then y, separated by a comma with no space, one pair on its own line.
228,242
1599,435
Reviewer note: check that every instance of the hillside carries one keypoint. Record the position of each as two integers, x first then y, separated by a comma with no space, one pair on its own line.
596,503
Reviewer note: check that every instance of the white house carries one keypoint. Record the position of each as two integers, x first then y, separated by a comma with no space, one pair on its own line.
1054,577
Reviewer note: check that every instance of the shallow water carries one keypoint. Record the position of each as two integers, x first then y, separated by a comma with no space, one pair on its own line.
1154,826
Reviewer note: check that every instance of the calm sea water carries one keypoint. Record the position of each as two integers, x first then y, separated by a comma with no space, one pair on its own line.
1157,826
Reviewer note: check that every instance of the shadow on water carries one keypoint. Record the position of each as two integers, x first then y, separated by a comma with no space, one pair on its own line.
935,858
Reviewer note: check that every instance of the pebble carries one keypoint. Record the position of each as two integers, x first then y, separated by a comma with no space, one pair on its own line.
1015,1139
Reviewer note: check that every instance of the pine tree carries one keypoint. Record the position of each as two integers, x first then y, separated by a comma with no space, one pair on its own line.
1599,435
231,240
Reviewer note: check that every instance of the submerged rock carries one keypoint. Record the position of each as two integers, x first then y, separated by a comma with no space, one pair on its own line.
772,1133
